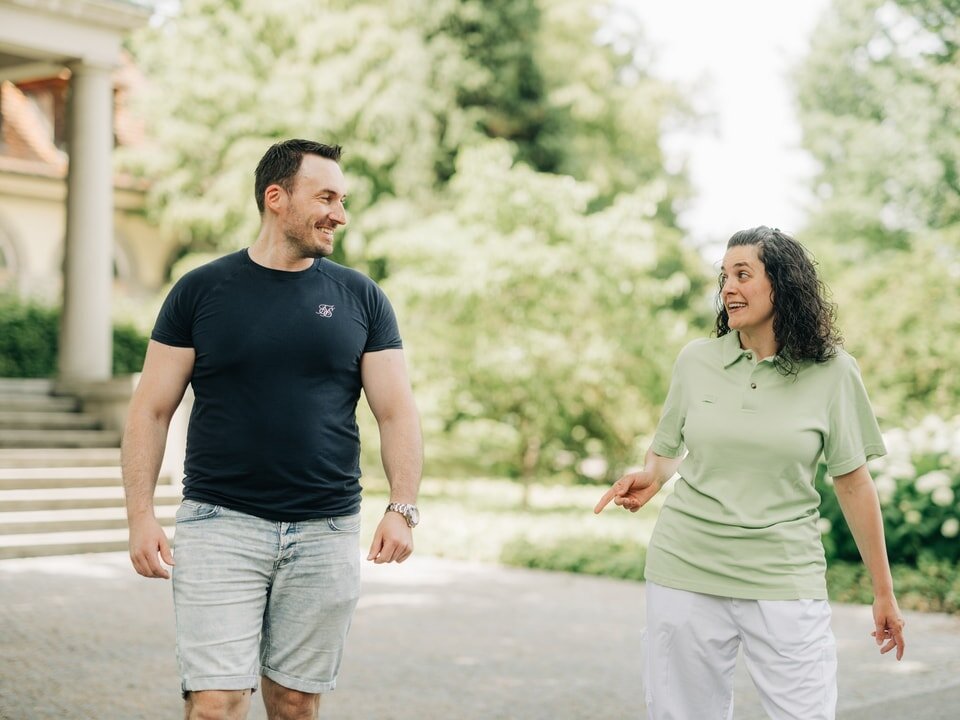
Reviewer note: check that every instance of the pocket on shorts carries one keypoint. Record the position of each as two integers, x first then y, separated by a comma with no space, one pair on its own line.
193,510
345,523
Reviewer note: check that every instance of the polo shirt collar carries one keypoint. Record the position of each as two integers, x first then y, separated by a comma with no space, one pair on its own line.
731,350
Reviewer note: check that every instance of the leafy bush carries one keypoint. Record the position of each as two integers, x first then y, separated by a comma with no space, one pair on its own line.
623,559
29,340
129,349
932,586
919,487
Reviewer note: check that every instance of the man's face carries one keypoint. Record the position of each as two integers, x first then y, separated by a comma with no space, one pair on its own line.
315,207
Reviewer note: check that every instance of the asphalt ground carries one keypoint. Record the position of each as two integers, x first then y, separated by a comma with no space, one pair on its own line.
85,637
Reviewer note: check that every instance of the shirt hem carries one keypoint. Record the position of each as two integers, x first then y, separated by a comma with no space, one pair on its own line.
266,513
665,450
869,453
170,341
739,593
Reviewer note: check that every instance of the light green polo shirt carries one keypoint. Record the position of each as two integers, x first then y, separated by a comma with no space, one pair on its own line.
742,520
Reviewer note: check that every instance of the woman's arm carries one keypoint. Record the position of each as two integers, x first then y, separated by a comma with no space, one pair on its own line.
861,509
634,490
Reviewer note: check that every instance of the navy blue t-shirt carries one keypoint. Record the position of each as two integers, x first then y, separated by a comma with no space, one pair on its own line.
273,432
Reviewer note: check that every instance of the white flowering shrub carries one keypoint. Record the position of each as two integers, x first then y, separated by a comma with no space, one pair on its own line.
918,482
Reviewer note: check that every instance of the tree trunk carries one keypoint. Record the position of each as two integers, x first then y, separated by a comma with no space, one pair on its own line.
531,458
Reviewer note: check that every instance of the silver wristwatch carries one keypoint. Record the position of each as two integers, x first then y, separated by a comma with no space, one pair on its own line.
409,512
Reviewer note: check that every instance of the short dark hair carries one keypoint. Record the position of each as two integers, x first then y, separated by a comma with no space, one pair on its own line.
280,164
804,320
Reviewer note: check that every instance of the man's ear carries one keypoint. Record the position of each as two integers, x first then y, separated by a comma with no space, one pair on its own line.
274,197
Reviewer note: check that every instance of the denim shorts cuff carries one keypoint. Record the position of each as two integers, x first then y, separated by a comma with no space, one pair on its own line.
221,682
313,687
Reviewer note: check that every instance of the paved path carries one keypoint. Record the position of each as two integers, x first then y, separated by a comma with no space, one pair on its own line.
85,637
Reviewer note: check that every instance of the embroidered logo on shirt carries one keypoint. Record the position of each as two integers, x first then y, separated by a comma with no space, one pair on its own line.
325,311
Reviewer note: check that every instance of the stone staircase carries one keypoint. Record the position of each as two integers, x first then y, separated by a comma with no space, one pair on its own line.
60,487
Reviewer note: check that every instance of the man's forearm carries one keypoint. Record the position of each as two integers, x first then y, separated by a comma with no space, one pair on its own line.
141,454
401,450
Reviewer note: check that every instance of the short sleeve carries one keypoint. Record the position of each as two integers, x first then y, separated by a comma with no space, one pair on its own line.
384,333
174,324
668,440
853,435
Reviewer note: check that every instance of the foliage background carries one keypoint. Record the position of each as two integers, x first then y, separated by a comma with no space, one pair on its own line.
516,206
510,192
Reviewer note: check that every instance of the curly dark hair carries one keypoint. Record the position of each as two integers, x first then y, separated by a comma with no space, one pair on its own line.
804,320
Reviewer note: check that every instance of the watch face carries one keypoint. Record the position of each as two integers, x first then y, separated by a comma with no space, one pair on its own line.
413,516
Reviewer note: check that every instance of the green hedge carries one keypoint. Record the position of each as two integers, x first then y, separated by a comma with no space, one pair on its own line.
590,556
29,336
933,585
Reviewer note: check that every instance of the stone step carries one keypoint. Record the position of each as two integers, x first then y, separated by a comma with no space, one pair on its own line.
28,386
27,420
24,401
35,478
58,438
58,457
82,497
65,543
48,521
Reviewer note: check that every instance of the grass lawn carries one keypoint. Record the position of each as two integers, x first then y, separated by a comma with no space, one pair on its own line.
474,519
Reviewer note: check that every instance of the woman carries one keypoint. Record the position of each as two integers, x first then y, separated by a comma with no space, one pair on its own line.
736,557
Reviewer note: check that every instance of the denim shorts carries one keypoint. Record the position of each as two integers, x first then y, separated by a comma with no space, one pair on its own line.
256,597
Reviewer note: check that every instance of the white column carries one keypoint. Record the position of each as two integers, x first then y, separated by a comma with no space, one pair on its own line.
86,335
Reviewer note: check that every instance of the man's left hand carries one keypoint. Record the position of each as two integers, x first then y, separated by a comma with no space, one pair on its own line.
393,541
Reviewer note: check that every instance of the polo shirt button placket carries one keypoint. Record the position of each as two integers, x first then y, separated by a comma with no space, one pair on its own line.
750,398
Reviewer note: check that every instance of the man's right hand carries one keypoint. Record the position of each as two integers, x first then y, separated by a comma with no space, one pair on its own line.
148,546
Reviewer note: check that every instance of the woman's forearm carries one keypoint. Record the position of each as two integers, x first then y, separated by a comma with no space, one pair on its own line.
662,468
861,509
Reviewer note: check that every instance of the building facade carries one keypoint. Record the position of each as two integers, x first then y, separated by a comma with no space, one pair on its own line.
72,230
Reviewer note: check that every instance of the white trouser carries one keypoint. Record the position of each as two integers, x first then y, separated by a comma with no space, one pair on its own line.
690,651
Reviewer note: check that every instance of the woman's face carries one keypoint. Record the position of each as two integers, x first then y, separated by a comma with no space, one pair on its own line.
746,291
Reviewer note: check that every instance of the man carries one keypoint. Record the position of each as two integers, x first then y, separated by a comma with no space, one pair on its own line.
278,342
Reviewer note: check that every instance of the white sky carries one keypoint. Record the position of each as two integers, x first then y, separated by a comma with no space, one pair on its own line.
746,164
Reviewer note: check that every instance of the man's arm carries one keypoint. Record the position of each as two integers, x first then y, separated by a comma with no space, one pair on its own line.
861,509
387,387
166,374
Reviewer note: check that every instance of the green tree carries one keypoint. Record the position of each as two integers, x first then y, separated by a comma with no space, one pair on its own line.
500,87
901,319
542,323
507,186
226,79
609,108
878,94
404,86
